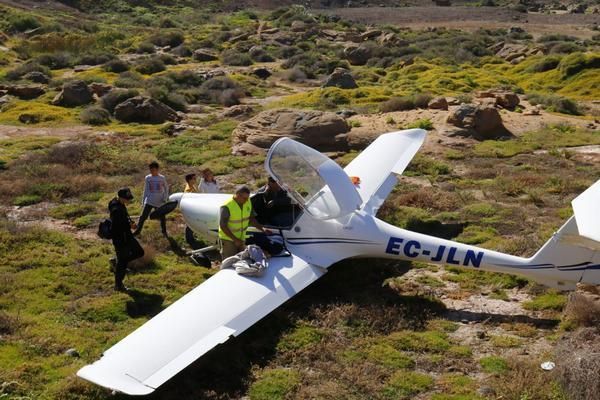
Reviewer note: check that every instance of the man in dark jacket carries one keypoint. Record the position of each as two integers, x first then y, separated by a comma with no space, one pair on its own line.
126,246
273,206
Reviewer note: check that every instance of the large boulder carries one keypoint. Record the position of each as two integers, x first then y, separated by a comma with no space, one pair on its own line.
204,55
74,93
322,130
100,89
145,110
340,78
357,55
37,77
511,52
25,92
438,103
503,98
478,121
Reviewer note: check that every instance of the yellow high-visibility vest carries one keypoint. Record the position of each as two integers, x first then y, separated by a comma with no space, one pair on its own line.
239,219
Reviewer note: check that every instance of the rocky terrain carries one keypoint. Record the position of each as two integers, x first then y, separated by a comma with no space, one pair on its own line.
509,94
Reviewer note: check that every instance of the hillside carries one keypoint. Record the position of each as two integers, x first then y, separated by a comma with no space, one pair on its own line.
511,106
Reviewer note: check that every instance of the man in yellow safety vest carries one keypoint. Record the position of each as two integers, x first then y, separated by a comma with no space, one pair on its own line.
236,216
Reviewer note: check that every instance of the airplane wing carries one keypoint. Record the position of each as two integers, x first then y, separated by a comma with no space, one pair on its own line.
225,305
379,163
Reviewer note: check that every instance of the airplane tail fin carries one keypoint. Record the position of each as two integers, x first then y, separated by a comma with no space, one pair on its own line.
575,247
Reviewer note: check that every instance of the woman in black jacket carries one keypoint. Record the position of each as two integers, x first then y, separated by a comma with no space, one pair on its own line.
126,246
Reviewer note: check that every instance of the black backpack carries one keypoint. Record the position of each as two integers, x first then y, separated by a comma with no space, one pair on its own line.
105,229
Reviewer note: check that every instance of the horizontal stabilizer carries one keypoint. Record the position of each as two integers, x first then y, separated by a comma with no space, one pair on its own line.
193,325
378,165
586,207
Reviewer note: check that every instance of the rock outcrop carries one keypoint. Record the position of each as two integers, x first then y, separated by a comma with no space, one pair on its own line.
144,110
324,131
357,55
438,103
73,94
340,78
478,121
25,92
503,98
204,55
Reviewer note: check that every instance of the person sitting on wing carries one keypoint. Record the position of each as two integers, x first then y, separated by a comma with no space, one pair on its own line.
208,184
272,205
236,216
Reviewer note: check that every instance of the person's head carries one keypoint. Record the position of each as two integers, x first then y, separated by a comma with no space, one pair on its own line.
207,174
242,194
273,185
125,196
190,179
154,168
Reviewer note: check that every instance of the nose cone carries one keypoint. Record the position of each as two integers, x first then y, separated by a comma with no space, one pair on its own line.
176,197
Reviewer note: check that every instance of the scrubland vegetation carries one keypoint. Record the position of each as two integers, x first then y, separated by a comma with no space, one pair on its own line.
368,329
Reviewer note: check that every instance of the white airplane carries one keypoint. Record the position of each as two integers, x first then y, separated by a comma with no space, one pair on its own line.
337,221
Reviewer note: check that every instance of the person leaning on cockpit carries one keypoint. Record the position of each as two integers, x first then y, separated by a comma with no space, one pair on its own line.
236,216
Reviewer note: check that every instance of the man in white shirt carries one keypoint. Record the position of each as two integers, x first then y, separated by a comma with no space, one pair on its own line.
156,193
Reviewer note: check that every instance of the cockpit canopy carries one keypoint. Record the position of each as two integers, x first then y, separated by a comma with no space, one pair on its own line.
317,183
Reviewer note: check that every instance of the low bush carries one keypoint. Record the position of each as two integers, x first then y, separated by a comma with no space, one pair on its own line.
577,62
235,58
221,90
554,103
116,66
56,60
115,97
545,64
167,59
95,59
163,39
21,70
129,79
259,54
174,100
95,115
150,66
294,75
22,22
145,48
27,200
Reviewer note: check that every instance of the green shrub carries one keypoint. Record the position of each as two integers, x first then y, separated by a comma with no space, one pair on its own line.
407,384
150,66
493,364
129,79
235,58
577,62
275,384
95,58
221,90
554,103
22,23
545,64
163,39
552,300
56,60
95,115
424,123
27,200
145,48
259,54
174,100
21,70
116,66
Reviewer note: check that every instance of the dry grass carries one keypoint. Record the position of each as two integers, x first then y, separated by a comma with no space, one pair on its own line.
582,310
578,364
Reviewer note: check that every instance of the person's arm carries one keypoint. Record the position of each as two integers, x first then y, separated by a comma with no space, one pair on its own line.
146,191
223,221
165,190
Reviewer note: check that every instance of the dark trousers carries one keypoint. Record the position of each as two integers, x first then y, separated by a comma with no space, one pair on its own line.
126,252
145,213
191,240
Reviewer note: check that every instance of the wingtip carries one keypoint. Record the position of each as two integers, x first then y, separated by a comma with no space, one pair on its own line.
120,383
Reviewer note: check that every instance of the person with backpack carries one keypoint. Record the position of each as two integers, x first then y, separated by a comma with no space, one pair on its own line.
126,245
156,193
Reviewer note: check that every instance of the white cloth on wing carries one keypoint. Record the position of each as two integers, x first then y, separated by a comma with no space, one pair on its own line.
250,262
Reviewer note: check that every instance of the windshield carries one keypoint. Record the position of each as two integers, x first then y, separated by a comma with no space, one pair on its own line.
307,176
